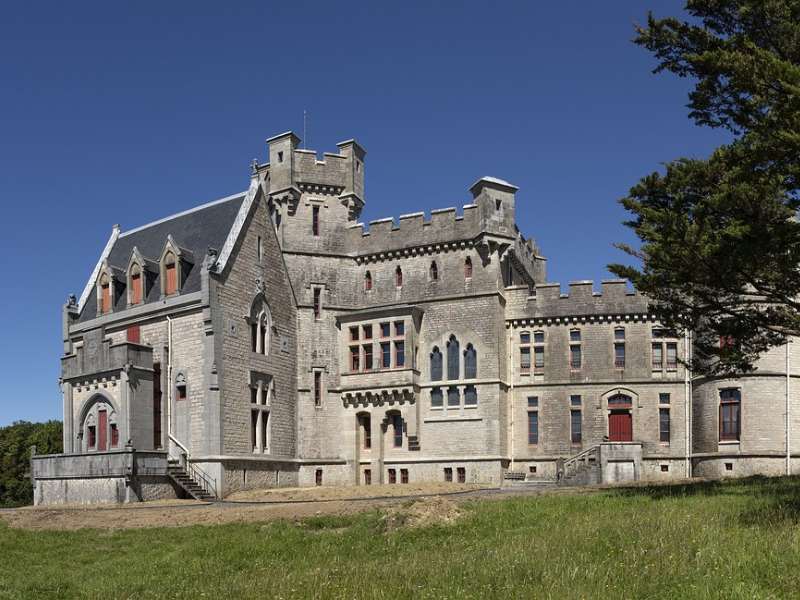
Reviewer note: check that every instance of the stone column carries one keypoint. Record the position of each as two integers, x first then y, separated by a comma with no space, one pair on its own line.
69,417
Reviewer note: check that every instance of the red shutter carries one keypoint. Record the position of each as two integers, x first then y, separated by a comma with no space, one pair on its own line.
105,298
172,281
136,289
134,334
102,426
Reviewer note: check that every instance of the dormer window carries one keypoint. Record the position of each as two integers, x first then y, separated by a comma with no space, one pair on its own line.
170,275
105,294
137,285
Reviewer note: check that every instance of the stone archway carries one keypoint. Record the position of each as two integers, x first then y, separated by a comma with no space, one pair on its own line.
99,424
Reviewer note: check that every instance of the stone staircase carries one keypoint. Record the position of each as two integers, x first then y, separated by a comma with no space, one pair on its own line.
191,482
581,469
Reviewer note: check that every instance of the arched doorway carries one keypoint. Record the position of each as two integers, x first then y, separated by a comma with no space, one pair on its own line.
620,419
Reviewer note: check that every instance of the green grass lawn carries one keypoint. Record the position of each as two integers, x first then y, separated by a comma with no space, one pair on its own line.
738,539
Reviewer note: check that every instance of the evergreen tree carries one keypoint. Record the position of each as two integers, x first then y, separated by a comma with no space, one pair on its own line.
720,242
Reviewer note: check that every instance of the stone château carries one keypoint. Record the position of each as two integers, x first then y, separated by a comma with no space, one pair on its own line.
271,339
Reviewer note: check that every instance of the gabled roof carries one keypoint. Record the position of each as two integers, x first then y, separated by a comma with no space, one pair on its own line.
196,230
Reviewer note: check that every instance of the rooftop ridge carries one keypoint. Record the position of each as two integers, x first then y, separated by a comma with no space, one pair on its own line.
183,213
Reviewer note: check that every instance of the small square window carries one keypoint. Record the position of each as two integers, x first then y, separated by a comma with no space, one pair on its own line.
533,401
575,335
575,400
729,466
524,338
665,468
532,469
538,337
619,335
663,398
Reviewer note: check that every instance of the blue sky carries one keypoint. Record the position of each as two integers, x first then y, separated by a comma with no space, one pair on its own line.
126,112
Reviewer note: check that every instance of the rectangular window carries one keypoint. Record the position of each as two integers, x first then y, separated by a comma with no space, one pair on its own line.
317,388
181,389
619,356
663,425
265,431
663,399
575,426
317,303
470,396
524,338
436,398
367,332
575,400
253,395
672,355
462,474
92,436
538,357
114,435
538,337
365,422
259,249
368,357
315,220
156,405
729,414
399,328
134,334
453,397
525,359
136,288
367,476
619,335
658,355
254,429
354,359
385,330
397,428
354,334
392,476
533,401
386,355
105,298
403,475
575,357
575,335
318,477
533,427
448,474
172,279
399,354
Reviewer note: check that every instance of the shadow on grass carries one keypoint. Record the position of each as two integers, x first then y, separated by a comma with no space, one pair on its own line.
775,500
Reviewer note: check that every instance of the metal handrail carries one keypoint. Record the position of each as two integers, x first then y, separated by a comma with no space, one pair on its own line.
201,476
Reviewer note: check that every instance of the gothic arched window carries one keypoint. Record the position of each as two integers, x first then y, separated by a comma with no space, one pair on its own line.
436,364
260,326
452,358
470,363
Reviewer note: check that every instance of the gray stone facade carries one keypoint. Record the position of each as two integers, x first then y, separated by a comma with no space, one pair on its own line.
271,339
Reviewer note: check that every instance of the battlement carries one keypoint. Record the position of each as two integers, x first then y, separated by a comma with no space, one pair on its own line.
613,299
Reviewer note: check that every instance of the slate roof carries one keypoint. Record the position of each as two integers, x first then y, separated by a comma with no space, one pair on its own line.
196,230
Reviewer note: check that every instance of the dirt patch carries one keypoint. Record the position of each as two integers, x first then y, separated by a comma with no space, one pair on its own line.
425,512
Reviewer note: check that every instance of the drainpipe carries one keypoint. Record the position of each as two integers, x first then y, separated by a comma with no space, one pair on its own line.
788,414
687,381
169,380
510,375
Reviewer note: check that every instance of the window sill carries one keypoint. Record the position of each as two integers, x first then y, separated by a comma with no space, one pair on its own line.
730,442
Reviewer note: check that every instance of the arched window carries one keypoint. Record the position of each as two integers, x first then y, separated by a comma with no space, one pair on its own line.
367,281
452,358
260,326
468,268
470,363
436,364
434,272
398,277
180,386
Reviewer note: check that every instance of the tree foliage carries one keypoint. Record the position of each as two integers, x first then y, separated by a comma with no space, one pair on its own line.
15,444
720,242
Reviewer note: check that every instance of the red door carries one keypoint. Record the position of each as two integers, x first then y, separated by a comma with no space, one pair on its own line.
102,430
620,426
